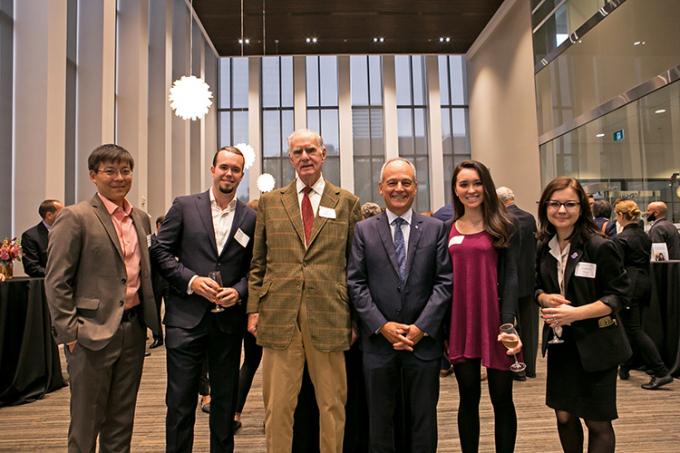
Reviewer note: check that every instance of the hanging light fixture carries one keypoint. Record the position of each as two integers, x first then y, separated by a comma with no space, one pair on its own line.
248,155
265,182
190,97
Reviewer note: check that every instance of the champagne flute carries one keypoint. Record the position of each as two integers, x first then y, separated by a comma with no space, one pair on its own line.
557,336
510,339
217,277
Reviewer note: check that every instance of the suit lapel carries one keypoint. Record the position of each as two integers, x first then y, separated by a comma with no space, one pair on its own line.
575,253
105,218
289,199
385,234
413,238
141,235
205,214
329,199
235,224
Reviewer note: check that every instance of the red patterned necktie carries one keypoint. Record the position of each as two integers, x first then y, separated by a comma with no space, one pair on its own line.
307,214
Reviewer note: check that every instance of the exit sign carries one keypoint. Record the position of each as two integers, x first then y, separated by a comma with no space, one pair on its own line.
617,136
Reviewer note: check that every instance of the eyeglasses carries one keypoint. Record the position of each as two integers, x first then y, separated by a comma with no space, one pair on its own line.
112,172
568,205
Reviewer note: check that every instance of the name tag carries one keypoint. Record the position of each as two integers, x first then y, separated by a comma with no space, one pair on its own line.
456,240
328,213
242,238
148,241
587,270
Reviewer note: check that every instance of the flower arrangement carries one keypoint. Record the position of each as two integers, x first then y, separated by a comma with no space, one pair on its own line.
10,251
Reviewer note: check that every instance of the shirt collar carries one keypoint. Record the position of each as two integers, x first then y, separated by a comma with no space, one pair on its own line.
213,203
49,227
317,187
407,216
111,207
555,251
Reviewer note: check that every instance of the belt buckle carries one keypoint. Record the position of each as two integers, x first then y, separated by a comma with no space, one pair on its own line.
606,322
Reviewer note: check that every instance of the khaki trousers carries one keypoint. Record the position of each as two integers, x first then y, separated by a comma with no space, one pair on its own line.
282,379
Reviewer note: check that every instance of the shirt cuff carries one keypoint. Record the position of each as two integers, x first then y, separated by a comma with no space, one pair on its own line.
189,290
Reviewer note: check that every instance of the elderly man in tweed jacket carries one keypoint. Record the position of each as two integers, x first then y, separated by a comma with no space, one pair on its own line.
298,304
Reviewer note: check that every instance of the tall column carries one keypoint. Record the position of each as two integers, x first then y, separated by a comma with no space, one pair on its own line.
39,107
300,91
390,108
254,136
345,120
434,111
181,130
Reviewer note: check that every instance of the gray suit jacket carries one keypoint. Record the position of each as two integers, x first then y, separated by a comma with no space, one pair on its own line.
85,278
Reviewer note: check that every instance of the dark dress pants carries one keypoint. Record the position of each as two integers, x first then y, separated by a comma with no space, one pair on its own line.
186,352
418,381
528,332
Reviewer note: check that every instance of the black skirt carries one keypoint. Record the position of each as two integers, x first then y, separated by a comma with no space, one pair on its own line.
570,388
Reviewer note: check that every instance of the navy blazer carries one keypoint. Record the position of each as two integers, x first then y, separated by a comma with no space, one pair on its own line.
601,343
185,246
527,246
378,294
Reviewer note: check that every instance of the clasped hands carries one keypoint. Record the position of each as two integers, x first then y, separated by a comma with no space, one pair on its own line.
556,310
209,289
403,337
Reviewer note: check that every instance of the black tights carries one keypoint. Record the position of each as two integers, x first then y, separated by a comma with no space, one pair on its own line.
500,390
601,437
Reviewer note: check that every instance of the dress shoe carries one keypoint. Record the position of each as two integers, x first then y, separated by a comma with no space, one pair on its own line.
624,373
657,382
156,343
521,376
446,372
205,403
236,426
147,353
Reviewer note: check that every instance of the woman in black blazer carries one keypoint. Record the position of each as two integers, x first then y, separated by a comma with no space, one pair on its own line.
581,284
636,247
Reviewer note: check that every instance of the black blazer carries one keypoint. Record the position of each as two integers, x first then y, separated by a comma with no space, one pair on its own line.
185,246
507,275
664,231
601,342
527,246
379,296
636,248
34,250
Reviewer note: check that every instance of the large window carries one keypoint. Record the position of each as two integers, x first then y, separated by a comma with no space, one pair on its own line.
277,117
322,109
367,125
412,121
6,69
454,111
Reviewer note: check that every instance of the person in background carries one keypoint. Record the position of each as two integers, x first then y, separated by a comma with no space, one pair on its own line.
369,209
527,309
602,212
581,284
662,229
34,240
160,288
484,247
636,247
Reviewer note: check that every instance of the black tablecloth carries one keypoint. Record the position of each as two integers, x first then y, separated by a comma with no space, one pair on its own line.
29,359
662,320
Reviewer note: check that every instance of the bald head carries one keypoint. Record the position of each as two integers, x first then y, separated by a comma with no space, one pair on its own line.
656,210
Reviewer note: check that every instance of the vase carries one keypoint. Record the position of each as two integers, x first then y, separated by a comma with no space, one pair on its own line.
7,269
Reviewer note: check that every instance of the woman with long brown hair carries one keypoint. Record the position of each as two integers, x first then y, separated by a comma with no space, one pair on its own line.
581,284
483,253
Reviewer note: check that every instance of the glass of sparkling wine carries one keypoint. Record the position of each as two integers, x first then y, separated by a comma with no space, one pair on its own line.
217,277
510,339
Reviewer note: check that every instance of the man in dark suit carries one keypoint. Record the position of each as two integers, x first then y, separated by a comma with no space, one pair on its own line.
399,277
528,310
662,229
34,240
160,287
99,291
202,233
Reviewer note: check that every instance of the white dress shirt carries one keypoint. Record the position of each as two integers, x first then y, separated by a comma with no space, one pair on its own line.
222,220
561,256
314,195
405,227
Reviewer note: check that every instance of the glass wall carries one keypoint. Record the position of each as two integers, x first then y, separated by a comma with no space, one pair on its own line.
367,125
277,117
411,90
322,109
6,70
453,92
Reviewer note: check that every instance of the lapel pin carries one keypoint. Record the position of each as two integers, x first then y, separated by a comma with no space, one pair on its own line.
574,255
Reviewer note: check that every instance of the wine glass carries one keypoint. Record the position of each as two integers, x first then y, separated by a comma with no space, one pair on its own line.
217,277
557,336
510,339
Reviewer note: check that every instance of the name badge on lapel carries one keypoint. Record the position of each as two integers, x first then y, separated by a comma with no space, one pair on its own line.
328,213
148,241
586,270
242,238
456,240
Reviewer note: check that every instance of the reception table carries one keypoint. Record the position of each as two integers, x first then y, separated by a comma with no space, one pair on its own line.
662,320
29,358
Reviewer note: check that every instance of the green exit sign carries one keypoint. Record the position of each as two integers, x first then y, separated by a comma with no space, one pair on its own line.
617,136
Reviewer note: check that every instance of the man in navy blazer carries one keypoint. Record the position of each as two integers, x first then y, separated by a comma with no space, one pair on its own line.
201,233
399,277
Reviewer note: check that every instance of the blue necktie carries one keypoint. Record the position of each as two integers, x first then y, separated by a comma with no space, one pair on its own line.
400,246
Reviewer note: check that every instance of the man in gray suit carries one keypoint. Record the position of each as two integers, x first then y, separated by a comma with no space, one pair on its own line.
99,291
399,278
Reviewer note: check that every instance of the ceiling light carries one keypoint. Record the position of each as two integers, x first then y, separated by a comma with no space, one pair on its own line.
190,97
244,41
265,182
600,135
311,40
379,39
444,39
660,111
639,43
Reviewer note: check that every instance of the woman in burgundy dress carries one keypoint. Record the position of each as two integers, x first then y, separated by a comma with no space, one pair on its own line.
484,257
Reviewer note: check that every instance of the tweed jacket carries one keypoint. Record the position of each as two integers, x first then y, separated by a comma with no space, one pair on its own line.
86,276
285,274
